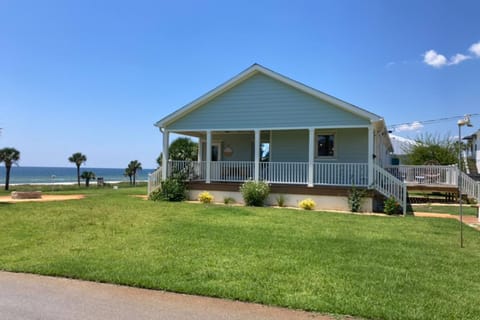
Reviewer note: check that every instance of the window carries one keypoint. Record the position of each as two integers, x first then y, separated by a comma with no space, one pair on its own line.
265,151
325,145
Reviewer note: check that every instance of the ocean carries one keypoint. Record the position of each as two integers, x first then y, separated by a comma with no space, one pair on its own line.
39,175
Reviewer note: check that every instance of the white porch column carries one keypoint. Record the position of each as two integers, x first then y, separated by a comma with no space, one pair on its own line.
257,155
311,154
200,150
370,154
208,156
166,135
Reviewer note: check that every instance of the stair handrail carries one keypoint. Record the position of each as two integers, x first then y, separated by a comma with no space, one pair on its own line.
154,180
469,186
390,186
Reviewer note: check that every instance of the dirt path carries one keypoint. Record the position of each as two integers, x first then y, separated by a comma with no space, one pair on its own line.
45,197
468,220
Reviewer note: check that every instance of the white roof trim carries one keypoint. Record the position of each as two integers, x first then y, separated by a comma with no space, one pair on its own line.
273,128
254,69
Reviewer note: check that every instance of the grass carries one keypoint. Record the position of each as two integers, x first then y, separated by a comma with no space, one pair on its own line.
367,266
467,209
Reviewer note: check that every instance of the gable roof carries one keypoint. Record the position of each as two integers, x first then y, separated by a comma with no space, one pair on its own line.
256,69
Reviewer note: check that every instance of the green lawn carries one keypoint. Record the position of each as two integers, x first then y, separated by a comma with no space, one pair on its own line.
467,209
367,266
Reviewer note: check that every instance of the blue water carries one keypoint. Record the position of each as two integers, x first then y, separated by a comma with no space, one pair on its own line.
29,175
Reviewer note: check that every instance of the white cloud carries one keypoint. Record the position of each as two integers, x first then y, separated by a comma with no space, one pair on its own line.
475,49
437,60
456,59
414,126
432,58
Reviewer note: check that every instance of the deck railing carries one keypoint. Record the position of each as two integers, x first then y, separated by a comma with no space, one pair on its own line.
431,175
390,186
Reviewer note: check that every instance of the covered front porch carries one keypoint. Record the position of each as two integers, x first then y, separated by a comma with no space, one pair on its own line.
295,173
341,156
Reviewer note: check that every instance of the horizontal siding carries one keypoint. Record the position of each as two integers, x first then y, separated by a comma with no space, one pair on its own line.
241,145
262,102
289,146
351,146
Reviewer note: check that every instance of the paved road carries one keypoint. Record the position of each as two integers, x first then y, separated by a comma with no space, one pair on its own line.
32,297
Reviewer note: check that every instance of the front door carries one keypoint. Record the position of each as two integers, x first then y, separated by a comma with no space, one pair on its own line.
216,152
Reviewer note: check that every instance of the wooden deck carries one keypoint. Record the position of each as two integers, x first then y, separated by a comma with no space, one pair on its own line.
444,188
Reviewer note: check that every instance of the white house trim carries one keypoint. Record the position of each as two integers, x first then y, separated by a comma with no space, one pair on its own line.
200,150
370,155
311,155
208,157
257,155
165,157
274,129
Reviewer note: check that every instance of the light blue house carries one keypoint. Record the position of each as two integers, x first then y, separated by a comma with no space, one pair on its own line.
262,125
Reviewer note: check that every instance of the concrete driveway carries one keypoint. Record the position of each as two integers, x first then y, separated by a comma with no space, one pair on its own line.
26,296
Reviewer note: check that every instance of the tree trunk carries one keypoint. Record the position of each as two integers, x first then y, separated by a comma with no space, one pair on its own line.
78,175
7,176
87,182
134,175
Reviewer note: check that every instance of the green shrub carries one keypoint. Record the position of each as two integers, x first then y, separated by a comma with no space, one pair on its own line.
355,198
205,197
307,204
280,200
254,193
174,188
155,195
391,206
228,200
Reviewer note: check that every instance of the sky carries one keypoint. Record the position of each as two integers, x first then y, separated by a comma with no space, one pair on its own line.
94,76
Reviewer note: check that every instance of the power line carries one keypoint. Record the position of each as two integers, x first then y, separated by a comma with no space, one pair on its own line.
432,121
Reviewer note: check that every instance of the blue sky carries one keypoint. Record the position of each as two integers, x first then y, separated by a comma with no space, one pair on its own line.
93,76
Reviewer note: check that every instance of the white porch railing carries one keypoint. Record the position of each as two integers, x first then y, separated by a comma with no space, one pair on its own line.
431,175
334,174
341,174
284,172
231,171
193,170
390,186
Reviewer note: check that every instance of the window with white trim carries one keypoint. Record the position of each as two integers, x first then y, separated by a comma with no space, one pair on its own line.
325,145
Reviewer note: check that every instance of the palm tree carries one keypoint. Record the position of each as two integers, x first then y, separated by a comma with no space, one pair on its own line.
9,156
134,166
87,175
78,158
128,173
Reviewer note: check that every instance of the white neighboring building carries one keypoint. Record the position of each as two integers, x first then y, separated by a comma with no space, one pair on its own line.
400,144
474,150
